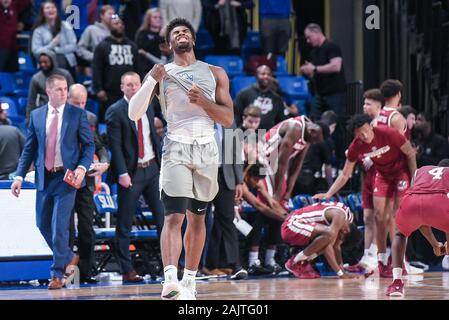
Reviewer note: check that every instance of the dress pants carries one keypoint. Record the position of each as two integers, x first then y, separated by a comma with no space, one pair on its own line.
54,206
144,182
223,245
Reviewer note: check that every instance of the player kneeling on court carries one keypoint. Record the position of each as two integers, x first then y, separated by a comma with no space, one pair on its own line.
321,228
424,206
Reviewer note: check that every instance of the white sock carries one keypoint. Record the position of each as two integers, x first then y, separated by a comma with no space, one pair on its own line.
253,257
397,273
366,253
188,278
373,249
300,257
269,257
383,257
171,273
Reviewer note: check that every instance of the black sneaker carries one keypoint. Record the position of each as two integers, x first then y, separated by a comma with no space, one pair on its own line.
239,274
273,268
258,270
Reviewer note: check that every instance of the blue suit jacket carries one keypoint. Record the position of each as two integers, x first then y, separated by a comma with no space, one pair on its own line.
77,144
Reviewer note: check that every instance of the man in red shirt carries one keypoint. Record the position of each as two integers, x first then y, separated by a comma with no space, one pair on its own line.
425,205
394,160
9,17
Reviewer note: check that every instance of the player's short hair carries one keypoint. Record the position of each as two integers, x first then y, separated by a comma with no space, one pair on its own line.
54,77
255,170
390,88
357,121
406,110
444,163
324,128
252,111
314,27
329,117
176,22
374,94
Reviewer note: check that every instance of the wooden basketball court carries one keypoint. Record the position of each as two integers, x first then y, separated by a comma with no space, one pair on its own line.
433,286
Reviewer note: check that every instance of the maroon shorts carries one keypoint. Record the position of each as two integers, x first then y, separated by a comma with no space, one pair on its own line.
297,234
367,189
389,187
418,210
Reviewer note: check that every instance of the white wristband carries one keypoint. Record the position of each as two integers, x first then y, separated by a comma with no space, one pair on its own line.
340,273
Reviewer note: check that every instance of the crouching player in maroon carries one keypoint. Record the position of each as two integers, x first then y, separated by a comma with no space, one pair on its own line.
425,205
321,228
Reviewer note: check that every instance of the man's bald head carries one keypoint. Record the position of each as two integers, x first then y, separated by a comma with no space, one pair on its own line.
77,95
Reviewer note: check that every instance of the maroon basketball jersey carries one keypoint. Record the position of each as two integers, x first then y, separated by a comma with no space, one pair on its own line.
315,213
431,179
384,151
384,119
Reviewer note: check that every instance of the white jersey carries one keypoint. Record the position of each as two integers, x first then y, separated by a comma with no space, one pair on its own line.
187,122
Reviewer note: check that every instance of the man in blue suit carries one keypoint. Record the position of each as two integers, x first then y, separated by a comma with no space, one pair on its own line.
59,138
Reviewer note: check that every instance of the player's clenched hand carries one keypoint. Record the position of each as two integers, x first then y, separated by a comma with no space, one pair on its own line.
158,72
440,249
321,196
197,97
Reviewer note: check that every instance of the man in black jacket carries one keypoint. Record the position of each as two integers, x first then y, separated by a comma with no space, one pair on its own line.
84,203
135,165
262,96
114,56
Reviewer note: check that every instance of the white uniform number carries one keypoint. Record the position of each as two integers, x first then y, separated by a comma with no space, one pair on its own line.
437,173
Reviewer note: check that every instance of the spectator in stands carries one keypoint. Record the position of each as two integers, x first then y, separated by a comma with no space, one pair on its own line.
113,57
327,74
409,114
252,147
148,41
51,33
318,155
94,34
275,25
227,22
330,118
135,164
9,15
188,9
12,142
431,147
262,96
4,120
84,202
37,95
58,139
223,249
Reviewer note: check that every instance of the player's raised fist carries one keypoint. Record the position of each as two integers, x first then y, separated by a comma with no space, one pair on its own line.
158,72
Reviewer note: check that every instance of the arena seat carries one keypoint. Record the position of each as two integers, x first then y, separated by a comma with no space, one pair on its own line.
295,87
12,109
300,201
355,202
26,62
281,67
241,82
233,65
7,84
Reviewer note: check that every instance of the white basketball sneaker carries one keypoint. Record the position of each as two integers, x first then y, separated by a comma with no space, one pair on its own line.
171,290
188,291
411,269
445,263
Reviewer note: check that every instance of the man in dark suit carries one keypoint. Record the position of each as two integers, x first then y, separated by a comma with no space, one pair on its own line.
58,139
223,248
84,203
135,164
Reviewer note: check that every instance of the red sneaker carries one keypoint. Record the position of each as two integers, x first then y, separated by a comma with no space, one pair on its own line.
396,288
301,270
385,271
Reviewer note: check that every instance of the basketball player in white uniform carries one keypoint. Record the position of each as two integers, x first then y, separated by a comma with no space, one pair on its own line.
193,96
